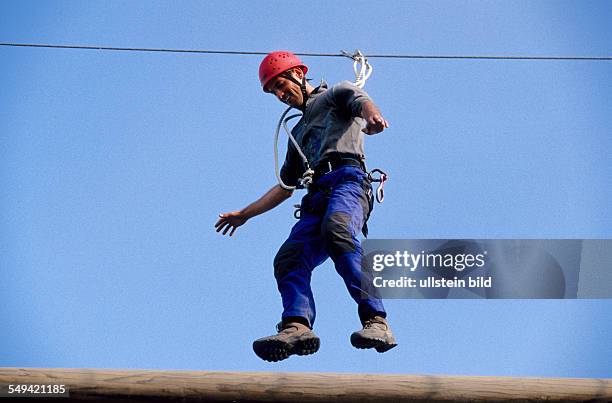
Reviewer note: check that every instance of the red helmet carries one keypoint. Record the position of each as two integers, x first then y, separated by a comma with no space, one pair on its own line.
276,63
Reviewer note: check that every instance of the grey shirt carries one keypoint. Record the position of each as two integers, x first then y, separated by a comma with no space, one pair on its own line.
331,123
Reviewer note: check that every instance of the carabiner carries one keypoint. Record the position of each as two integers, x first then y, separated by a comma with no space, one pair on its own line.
380,192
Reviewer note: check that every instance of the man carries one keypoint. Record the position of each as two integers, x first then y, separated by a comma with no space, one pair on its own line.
332,213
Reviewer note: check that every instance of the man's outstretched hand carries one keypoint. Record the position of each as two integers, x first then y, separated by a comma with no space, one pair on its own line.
375,123
230,221
233,220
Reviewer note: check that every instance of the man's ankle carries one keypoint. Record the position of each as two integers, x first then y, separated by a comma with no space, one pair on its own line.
296,319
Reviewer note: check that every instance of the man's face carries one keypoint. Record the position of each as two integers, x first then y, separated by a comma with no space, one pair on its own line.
286,90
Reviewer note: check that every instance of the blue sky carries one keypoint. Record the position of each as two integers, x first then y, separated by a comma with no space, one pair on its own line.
114,166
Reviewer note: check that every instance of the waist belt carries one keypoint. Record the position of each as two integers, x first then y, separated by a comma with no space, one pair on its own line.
333,161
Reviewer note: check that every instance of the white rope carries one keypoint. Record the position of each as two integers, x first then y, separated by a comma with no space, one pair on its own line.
361,67
278,126
363,71
293,140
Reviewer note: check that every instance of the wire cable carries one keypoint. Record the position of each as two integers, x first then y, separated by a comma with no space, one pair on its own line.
230,52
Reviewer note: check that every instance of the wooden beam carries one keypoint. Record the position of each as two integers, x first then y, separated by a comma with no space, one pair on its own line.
107,385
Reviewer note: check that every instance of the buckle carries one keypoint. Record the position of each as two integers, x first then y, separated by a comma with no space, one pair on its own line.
329,167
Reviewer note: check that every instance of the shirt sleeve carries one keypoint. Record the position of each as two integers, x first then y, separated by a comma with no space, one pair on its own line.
349,97
289,172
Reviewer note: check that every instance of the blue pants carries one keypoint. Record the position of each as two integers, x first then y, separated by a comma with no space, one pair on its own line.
331,219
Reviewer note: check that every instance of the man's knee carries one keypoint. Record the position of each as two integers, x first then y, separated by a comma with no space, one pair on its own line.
287,258
336,231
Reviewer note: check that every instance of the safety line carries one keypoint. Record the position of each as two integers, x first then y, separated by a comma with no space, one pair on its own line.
229,52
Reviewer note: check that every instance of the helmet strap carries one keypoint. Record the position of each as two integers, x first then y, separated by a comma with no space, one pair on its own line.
302,87
304,93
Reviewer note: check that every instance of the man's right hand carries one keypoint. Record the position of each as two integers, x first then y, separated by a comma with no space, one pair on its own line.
375,123
233,220
229,221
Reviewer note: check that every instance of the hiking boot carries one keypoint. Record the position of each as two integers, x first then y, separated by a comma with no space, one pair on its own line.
292,338
375,334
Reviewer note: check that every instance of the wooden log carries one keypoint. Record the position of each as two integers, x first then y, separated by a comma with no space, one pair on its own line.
106,385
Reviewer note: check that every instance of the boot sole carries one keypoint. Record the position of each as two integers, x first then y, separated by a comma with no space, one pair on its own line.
278,350
380,345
